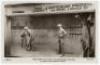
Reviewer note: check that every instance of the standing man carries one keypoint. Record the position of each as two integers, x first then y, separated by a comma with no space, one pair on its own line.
61,35
85,40
87,37
26,38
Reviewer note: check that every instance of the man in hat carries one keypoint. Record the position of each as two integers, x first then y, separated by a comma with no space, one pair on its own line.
61,35
26,38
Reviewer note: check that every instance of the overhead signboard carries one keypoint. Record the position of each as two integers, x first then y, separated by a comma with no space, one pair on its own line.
53,8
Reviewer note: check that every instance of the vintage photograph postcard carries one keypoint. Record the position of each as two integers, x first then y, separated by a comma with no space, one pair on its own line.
49,32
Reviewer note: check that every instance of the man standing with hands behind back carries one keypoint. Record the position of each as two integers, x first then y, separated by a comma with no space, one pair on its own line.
61,35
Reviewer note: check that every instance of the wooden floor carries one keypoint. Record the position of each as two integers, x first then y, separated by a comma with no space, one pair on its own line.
44,50
45,45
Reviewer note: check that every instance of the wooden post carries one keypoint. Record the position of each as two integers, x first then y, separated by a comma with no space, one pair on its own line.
7,37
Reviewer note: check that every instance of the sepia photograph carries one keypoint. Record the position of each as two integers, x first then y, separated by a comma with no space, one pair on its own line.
49,30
